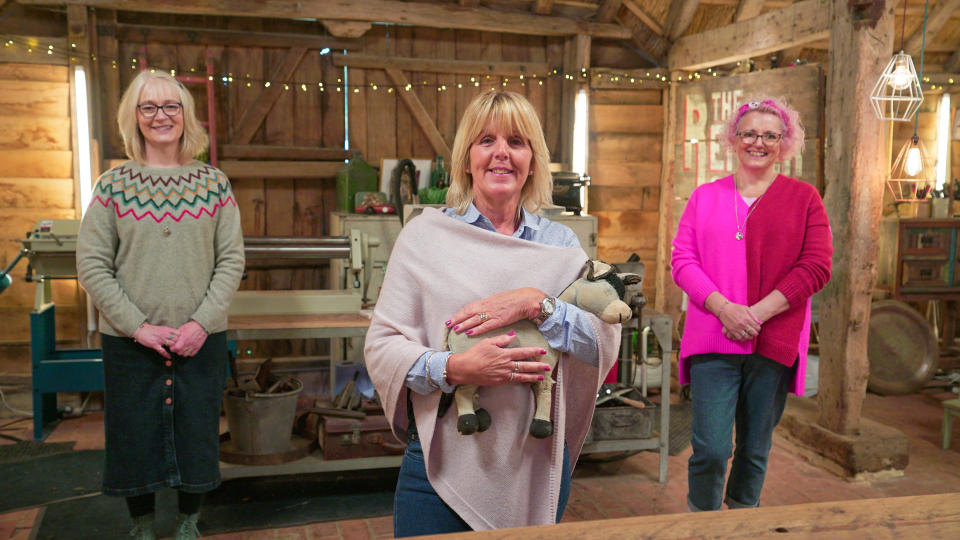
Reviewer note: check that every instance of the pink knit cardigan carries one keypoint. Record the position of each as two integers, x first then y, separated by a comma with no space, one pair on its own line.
502,477
787,247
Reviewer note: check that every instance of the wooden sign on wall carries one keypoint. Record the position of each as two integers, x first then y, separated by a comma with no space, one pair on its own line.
705,106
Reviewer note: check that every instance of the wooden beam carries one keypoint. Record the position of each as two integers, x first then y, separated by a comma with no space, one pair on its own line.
747,9
258,111
347,29
935,22
855,164
228,38
471,67
543,7
420,114
679,18
800,23
295,153
639,13
916,516
280,169
607,11
647,43
431,15
668,296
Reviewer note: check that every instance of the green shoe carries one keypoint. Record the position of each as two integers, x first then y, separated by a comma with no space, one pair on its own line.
187,527
143,528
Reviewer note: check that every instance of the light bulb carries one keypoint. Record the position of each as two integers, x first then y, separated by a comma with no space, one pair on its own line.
901,77
914,163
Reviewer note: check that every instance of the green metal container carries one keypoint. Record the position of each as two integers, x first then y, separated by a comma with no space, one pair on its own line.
353,178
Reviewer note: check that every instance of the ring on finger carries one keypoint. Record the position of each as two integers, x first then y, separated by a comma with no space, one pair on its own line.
516,366
483,316
510,379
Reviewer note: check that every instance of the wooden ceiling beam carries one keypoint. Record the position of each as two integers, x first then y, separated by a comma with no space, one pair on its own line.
388,11
953,64
791,26
206,36
470,67
607,11
935,22
679,18
639,13
747,9
543,7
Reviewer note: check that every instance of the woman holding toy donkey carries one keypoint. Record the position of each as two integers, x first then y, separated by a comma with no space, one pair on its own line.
482,264
750,251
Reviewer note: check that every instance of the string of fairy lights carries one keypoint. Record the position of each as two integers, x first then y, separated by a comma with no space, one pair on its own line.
625,78
634,78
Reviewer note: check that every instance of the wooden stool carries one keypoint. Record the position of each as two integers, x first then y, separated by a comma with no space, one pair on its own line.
951,408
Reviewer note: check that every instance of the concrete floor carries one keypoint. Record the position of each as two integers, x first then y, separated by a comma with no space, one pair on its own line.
630,487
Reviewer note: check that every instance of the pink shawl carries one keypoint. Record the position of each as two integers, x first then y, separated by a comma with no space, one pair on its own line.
502,477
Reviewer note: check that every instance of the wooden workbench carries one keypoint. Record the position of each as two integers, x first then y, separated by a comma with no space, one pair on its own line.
921,516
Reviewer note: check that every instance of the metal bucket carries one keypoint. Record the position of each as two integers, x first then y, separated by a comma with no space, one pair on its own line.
262,423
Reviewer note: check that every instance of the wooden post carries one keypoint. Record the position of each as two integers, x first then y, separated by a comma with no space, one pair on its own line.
860,45
668,295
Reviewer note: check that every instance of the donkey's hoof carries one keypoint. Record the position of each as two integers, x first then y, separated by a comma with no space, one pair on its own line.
541,429
467,424
483,417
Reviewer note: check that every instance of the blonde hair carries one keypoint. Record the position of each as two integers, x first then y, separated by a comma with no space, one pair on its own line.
194,139
793,133
511,113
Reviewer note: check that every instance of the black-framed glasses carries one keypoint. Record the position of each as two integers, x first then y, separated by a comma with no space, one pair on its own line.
149,110
769,138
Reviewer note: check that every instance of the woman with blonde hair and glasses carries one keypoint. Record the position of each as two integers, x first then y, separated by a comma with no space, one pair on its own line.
750,251
160,253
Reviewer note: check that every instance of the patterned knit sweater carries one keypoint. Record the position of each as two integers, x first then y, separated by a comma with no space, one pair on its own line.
161,245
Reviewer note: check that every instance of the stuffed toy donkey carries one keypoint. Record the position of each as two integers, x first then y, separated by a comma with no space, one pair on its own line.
599,290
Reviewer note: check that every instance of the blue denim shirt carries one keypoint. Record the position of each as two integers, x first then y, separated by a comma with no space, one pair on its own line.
567,330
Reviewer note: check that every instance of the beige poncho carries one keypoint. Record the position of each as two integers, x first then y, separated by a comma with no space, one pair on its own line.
502,477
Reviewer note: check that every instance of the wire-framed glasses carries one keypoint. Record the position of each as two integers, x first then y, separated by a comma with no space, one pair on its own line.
769,138
149,110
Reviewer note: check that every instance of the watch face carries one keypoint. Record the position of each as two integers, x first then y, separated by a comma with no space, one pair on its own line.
547,306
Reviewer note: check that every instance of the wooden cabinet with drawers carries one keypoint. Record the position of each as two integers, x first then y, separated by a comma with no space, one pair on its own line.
927,259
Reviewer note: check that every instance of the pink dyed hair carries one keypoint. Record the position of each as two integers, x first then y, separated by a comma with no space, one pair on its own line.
793,133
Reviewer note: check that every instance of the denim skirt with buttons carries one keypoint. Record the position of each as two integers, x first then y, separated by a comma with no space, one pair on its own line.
162,419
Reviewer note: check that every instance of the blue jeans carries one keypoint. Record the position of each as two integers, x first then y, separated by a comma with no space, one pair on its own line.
418,510
746,390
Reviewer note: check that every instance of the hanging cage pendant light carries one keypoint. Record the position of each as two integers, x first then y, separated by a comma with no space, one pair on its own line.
897,94
913,175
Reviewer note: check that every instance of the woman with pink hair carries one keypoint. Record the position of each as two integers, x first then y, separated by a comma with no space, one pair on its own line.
750,251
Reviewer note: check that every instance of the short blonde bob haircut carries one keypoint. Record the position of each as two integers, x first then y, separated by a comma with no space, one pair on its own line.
194,139
511,113
793,133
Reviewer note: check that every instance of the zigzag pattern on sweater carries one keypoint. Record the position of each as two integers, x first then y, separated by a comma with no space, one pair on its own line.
137,196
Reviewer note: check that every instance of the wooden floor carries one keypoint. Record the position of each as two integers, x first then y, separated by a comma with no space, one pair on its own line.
627,496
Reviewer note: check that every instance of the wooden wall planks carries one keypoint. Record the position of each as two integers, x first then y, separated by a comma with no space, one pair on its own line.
626,132
36,182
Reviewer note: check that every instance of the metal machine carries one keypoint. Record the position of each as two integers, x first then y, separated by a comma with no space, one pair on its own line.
51,250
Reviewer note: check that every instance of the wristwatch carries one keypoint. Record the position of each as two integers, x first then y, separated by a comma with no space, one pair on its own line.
547,306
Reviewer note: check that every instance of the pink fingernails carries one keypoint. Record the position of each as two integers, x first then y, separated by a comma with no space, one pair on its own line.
456,328
540,377
546,368
447,323
543,351
512,333
469,332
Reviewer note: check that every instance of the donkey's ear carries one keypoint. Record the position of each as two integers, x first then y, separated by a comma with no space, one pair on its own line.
631,279
598,270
